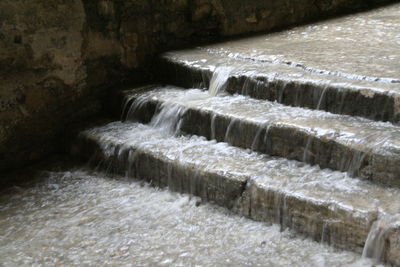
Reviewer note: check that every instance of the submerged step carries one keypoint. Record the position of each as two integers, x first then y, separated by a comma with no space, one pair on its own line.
364,148
285,83
324,204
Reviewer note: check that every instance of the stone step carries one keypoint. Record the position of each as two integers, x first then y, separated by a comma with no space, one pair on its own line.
326,205
370,97
362,147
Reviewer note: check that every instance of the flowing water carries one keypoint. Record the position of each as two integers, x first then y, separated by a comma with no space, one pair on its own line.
363,135
375,243
344,47
89,218
325,185
218,81
168,118
85,218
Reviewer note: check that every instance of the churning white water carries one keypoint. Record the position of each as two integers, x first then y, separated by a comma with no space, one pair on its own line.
82,218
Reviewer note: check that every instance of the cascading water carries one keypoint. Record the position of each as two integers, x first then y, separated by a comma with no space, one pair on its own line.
228,133
195,157
168,118
219,80
83,218
375,244
213,118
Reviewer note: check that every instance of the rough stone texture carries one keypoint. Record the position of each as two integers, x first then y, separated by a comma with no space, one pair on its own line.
56,56
42,76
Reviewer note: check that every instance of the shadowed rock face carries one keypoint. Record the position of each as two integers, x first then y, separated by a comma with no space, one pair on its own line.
42,76
56,56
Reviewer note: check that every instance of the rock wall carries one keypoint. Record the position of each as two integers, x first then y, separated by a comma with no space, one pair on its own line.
42,76
57,57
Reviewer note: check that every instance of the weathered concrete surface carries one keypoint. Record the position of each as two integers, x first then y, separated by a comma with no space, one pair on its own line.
328,206
55,56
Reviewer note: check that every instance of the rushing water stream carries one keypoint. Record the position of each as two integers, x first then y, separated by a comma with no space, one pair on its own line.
82,218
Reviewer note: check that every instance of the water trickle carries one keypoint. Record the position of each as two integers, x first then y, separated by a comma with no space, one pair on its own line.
205,79
321,98
130,170
343,94
375,244
247,86
256,140
325,233
213,117
268,143
168,118
282,91
251,86
356,163
125,106
219,80
134,107
228,132
282,217
306,153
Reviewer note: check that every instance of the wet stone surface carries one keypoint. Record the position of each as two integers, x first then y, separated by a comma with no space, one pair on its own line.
327,206
348,65
360,46
362,147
